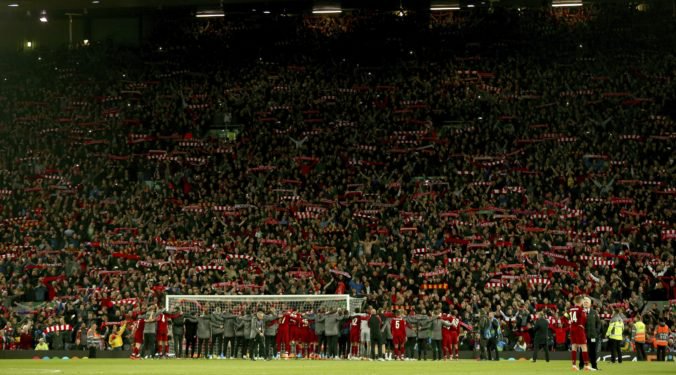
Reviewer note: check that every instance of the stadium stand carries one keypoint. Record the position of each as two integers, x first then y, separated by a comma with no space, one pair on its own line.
497,162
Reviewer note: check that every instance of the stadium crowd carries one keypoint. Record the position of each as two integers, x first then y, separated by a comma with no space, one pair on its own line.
492,165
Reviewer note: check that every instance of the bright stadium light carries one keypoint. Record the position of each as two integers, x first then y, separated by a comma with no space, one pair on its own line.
327,11
13,5
43,16
444,5
209,13
566,3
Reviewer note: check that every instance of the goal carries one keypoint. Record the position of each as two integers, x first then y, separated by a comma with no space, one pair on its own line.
238,304
242,305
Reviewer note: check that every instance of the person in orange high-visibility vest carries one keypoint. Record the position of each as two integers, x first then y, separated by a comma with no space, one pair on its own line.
661,340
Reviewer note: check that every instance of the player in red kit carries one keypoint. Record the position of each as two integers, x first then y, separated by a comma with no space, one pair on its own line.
295,333
577,318
355,334
137,328
446,337
311,338
163,335
283,336
398,329
453,334
304,339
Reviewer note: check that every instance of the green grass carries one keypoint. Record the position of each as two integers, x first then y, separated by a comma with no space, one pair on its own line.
241,367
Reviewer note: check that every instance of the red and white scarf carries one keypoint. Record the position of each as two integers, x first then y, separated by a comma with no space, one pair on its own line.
209,268
58,328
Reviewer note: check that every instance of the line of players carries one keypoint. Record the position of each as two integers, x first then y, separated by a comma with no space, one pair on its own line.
376,335
315,334
401,333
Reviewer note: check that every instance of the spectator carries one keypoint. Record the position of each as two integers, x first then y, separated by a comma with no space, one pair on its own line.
26,339
115,338
42,345
94,342
520,345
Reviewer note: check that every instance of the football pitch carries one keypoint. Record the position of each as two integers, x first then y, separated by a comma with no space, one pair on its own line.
243,367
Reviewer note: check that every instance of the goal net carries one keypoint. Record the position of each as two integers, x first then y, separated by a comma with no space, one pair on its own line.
241,305
237,304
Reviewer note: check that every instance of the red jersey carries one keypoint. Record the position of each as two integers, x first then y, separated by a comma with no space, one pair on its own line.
283,334
447,318
138,331
163,324
355,323
398,327
577,318
340,289
283,323
310,334
295,320
295,327
560,335
455,324
355,328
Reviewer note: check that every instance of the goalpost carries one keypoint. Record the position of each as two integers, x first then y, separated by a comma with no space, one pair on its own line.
239,304
197,305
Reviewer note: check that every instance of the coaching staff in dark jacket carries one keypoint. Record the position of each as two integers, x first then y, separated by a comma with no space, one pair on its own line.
375,323
542,335
593,330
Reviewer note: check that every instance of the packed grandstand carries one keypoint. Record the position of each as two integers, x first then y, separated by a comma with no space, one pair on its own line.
465,163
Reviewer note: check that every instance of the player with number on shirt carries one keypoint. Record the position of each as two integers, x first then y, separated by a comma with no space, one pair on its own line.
577,318
137,328
398,329
283,338
355,334
163,335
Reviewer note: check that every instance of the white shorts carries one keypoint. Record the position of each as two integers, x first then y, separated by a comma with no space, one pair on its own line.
365,336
